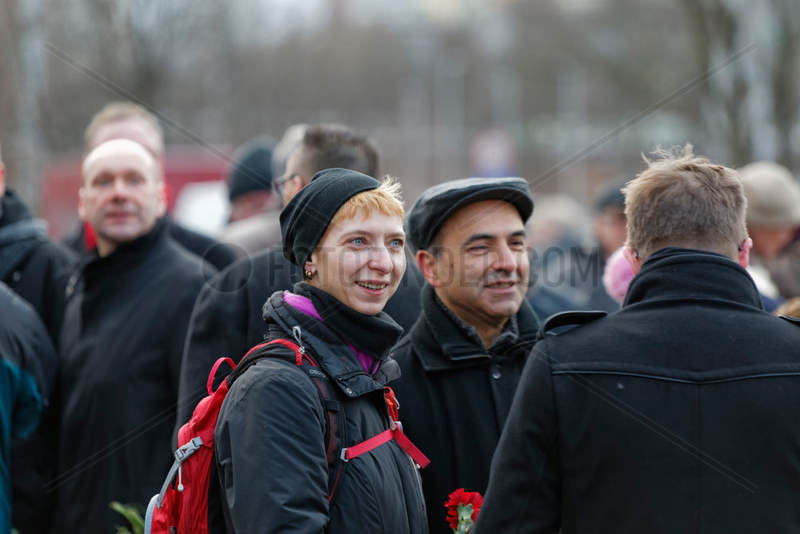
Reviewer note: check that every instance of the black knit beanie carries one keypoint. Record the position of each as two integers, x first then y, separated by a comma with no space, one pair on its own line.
252,170
307,216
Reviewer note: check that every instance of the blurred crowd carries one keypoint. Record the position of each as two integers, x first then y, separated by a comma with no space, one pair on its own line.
108,338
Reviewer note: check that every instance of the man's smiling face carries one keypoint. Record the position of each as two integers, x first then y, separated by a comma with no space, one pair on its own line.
482,267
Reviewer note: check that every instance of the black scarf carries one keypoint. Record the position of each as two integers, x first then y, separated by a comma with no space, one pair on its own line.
462,342
373,334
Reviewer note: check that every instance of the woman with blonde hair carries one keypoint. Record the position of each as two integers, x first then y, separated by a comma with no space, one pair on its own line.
316,455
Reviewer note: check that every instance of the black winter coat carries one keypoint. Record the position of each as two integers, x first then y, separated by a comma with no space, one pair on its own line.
455,396
27,375
36,270
271,447
121,348
228,316
676,414
33,267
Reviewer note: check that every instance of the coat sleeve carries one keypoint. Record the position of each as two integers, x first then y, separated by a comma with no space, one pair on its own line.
270,449
524,484
217,329
33,454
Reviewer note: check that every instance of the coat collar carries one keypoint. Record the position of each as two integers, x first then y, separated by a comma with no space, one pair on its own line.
679,273
328,348
126,255
442,344
20,234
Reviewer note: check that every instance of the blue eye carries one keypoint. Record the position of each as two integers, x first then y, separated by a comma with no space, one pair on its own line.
357,241
397,243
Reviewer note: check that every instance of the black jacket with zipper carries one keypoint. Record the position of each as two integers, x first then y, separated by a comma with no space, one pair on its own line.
455,396
271,447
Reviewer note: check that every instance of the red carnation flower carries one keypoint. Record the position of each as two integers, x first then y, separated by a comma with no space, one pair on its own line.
462,510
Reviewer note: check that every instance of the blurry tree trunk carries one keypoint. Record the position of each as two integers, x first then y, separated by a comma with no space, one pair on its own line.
24,77
752,103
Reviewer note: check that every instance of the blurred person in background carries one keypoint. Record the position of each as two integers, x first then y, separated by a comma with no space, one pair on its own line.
255,206
122,341
37,270
773,219
559,225
608,229
675,414
228,315
125,120
27,375
250,180
462,359
31,265
575,270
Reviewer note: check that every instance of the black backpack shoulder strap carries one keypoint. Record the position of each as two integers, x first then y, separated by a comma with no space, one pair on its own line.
335,422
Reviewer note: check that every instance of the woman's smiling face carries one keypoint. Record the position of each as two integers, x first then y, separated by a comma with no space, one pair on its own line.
361,261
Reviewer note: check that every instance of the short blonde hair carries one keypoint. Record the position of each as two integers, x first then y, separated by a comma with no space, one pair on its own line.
117,111
385,199
687,201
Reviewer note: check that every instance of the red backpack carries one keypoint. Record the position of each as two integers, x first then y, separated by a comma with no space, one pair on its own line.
182,506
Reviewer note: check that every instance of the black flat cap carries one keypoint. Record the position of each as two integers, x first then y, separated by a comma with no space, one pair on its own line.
440,201
307,216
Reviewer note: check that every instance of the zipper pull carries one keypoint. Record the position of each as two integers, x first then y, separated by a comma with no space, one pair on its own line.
180,479
297,333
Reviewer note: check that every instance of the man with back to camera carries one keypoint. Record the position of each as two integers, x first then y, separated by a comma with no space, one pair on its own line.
463,357
121,342
675,414
227,319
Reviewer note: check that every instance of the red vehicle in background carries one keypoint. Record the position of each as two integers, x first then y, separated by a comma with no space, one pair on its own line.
196,190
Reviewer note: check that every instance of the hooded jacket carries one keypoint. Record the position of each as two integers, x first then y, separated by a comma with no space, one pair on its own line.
27,373
36,270
121,347
676,414
33,267
227,318
270,443
455,396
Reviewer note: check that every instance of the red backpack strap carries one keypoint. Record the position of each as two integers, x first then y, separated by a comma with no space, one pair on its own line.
393,433
299,352
213,373
386,436
391,403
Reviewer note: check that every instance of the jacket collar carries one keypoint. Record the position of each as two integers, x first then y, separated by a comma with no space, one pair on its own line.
20,234
13,209
443,344
679,273
328,348
126,255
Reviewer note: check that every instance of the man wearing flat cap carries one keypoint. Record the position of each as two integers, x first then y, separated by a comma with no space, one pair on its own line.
462,359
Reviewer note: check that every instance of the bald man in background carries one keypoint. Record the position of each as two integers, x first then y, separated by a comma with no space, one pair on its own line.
125,322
